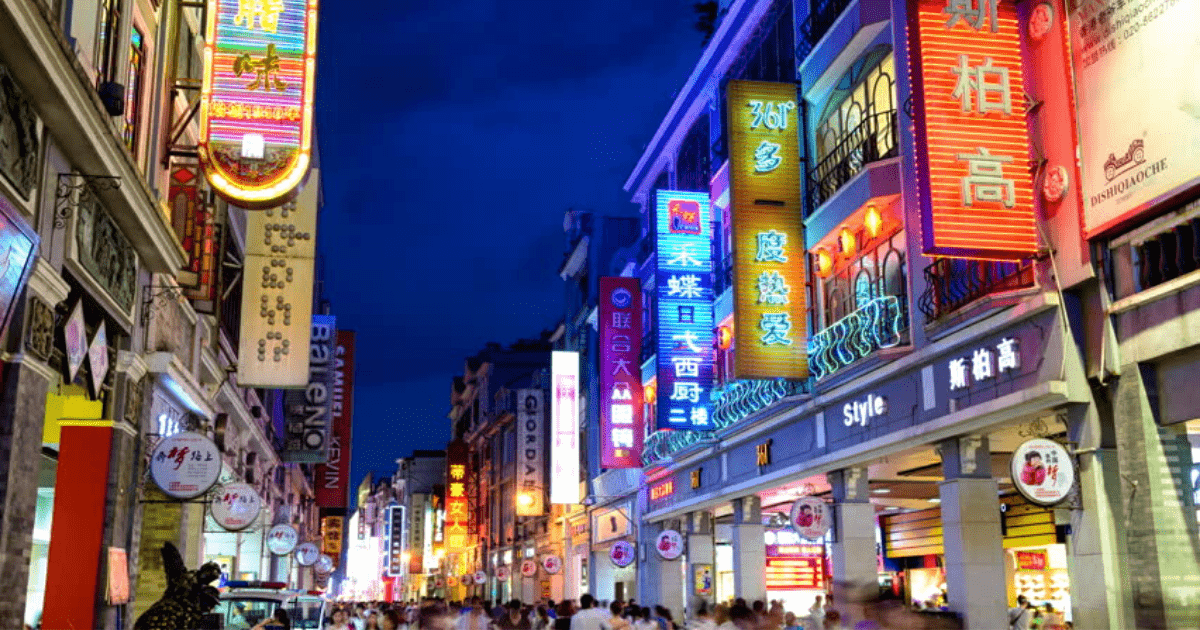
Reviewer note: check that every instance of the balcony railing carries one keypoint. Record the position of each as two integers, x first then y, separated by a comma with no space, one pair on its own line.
880,323
818,22
873,139
952,283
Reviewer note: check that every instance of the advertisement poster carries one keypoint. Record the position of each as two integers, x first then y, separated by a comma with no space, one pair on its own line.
703,584
564,427
75,337
1043,471
118,576
810,517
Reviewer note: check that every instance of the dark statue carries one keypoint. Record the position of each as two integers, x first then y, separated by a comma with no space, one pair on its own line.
189,595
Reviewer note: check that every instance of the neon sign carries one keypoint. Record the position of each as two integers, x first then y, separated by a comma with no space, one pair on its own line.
257,99
621,413
662,490
874,325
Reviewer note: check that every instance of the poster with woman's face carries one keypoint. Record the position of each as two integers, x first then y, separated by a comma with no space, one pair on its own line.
1043,471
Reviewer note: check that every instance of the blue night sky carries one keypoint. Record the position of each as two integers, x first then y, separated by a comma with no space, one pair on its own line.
453,137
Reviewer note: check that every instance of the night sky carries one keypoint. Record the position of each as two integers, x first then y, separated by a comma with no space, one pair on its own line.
453,137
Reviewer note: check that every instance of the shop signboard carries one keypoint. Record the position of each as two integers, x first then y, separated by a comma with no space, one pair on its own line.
502,573
769,286
621,412
75,338
795,573
98,358
531,444
621,553
1042,471
331,535
256,98
395,542
976,187
19,244
480,578
685,314
564,427
1031,560
282,539
307,554
333,477
236,506
529,568
324,564
611,523
458,502
810,517
118,576
185,465
195,225
669,544
277,293
1137,147
552,564
309,410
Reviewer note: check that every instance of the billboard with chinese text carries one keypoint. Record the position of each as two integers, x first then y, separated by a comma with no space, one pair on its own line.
333,477
685,314
458,506
564,427
256,102
969,103
770,309
622,424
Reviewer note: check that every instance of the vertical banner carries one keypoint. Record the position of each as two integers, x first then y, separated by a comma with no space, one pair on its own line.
195,225
397,522
685,314
564,427
458,505
622,425
306,434
331,537
969,100
333,477
770,310
531,441
277,293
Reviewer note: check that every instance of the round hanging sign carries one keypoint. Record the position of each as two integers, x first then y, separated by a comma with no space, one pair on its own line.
502,573
552,564
452,581
282,539
528,568
324,565
307,554
1043,471
621,553
669,544
236,506
480,578
810,517
1054,186
439,583
185,465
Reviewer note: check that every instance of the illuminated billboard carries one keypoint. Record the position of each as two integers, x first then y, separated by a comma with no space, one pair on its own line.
622,423
685,314
256,102
969,105
564,427
333,477
531,447
770,316
458,505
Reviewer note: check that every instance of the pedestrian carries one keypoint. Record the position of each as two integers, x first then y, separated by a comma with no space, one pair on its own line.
372,622
339,620
703,620
1020,616
644,620
541,618
790,622
392,620
832,620
816,614
513,619
562,618
1054,619
588,618
475,618
617,621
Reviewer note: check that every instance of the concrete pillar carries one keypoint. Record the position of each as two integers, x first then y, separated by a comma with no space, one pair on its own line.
662,580
971,530
700,557
1154,463
853,554
749,549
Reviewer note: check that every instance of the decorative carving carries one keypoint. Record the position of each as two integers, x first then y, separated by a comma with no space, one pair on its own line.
105,251
19,138
39,337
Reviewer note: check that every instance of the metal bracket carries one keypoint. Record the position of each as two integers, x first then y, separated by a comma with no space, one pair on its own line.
155,297
71,187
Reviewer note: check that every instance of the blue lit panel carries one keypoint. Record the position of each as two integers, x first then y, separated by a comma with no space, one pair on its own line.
685,315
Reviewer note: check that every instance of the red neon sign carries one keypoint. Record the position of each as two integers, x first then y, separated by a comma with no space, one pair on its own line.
664,489
969,93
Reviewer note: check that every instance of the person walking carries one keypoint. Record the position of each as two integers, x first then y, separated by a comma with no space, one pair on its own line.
513,619
1019,617
588,618
562,620
644,620
618,621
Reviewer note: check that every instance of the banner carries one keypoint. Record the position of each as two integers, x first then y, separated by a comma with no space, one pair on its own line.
458,502
331,537
333,478
531,446
622,423
306,434
564,427
397,533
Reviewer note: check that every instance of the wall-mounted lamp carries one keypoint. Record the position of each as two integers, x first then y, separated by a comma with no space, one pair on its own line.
823,261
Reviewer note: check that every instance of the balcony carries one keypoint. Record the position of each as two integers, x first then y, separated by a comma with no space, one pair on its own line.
874,139
952,283
880,323
818,22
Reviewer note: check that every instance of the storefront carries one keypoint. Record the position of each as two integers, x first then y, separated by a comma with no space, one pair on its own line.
612,524
577,563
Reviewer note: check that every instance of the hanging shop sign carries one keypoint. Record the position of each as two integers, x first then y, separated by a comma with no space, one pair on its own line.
564,427
452,581
277,293
810,517
282,539
685,314
458,502
309,410
236,506
256,101
17,240
332,477
323,565
552,564
975,184
622,424
331,535
531,443
1136,148
307,554
502,573
185,465
75,338
480,578
199,233
397,534
98,358
1043,471
529,568
768,235
669,544
621,553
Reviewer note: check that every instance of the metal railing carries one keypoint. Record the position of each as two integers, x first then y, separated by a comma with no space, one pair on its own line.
879,323
952,283
818,22
873,139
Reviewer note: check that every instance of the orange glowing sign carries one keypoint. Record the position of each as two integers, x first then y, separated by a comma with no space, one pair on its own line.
662,490
969,108
770,310
458,506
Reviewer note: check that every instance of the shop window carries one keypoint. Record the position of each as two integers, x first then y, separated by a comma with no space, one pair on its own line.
1158,252
107,39
133,89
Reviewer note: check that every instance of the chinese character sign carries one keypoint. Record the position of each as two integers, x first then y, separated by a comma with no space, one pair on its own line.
235,506
622,422
458,506
257,97
564,427
531,437
685,313
968,87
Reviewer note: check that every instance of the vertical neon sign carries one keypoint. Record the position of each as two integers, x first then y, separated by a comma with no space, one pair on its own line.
564,427
622,424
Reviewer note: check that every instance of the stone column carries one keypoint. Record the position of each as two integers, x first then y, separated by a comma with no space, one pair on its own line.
749,549
974,548
699,552
853,553
662,581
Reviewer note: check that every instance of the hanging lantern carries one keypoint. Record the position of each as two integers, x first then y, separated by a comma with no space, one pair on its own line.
724,337
650,392
873,221
824,262
848,242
